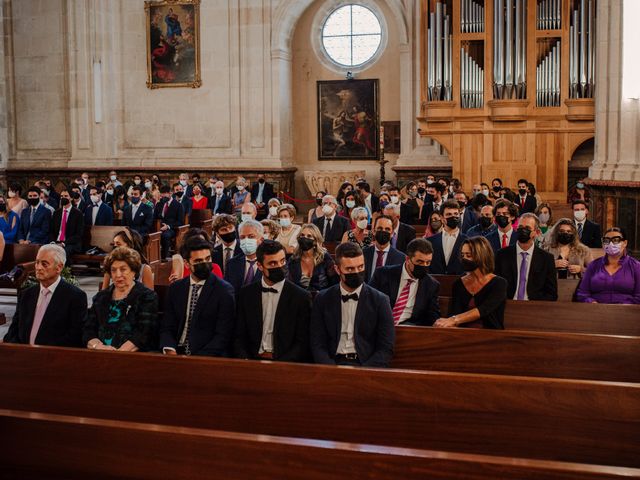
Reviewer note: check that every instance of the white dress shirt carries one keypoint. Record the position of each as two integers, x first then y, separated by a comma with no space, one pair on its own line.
269,307
94,211
413,291
347,342
519,262
385,255
260,192
448,242
134,209
367,204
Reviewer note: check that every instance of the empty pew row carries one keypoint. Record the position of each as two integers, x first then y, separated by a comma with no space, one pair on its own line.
54,446
546,419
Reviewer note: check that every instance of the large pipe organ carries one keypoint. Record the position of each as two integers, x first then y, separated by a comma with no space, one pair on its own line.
508,86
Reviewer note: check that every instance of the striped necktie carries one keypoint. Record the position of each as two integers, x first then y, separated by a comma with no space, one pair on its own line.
195,293
401,302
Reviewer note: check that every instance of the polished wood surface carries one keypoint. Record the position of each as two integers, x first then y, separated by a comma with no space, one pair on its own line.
79,448
503,352
197,217
15,254
152,247
483,414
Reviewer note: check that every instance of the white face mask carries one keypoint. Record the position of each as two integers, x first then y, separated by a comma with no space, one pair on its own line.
113,178
246,216
394,199
327,209
148,184
137,182
110,192
350,204
12,194
430,182
273,211
219,191
183,183
240,188
362,224
485,193
95,198
544,218
285,222
266,236
580,215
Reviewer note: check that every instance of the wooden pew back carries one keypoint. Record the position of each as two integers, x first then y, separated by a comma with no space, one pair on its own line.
17,254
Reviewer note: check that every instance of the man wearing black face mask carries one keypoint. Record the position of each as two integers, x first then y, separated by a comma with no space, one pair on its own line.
526,202
224,226
352,323
67,226
412,291
35,221
468,216
530,271
381,253
447,244
274,313
199,313
504,213
485,225
170,213
179,195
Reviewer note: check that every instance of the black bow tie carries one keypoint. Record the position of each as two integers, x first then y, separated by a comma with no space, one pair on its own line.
353,296
269,290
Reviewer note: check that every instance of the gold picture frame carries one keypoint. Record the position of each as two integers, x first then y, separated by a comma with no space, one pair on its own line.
173,43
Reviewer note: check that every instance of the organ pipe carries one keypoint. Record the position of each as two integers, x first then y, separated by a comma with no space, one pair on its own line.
509,54
439,46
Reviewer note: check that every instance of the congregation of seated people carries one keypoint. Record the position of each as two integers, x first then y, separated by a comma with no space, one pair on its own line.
329,289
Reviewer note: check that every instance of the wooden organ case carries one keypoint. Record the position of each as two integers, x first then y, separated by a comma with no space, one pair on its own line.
507,87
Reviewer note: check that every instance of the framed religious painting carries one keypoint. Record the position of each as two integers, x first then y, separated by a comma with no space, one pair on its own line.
173,43
348,120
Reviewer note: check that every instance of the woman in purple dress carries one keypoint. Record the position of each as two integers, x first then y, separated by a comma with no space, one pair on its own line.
614,278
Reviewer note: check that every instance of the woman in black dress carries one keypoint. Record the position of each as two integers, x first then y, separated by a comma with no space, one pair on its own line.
478,297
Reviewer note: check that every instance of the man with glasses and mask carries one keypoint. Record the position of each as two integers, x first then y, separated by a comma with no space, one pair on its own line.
352,323
274,313
412,291
447,244
381,253
530,272
199,313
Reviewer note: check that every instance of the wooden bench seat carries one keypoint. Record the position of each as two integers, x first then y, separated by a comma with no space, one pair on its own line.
79,448
546,419
22,255
503,352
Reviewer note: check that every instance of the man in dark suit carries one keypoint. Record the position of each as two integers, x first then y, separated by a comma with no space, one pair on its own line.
433,202
274,313
35,221
527,203
224,226
447,244
589,232
242,269
486,224
412,291
97,212
402,233
178,193
52,312
468,217
370,201
407,214
530,272
170,213
220,202
352,323
381,253
199,312
79,199
138,216
261,193
331,225
505,213
67,226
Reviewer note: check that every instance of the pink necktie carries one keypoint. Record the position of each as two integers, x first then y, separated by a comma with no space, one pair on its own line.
63,225
39,315
401,302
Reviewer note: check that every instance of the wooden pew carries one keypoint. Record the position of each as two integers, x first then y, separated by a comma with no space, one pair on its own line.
152,248
545,419
197,218
420,229
96,236
23,256
79,448
503,352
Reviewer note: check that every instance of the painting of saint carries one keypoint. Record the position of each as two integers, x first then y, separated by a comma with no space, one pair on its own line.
348,120
173,37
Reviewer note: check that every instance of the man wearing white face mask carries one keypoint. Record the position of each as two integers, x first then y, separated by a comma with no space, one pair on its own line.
589,232
332,226
220,201
113,177
242,269
248,212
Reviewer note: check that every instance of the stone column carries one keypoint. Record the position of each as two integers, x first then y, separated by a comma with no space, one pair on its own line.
5,45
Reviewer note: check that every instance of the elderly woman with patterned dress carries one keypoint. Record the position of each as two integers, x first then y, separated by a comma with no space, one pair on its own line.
360,234
614,278
311,266
123,317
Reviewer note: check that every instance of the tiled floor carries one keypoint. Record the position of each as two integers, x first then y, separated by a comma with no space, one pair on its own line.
8,303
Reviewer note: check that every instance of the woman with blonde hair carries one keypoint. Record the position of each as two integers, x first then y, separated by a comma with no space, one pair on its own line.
311,266
288,236
241,197
572,257
271,229
480,296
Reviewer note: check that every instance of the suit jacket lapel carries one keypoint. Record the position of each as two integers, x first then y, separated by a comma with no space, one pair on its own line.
394,284
335,306
256,318
281,309
362,302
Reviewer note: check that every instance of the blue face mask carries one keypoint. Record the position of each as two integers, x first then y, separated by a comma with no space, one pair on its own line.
249,246
135,200
285,222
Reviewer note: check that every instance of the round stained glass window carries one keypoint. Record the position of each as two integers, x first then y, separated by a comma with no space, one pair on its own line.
351,35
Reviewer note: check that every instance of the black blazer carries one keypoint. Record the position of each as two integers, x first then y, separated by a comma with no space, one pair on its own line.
324,274
212,324
235,272
175,214
426,309
409,213
62,323
374,332
542,283
438,264
375,204
394,257
339,225
530,204
290,328
470,219
38,231
104,216
224,206
75,227
495,239
406,233
143,221
267,192
591,234
218,254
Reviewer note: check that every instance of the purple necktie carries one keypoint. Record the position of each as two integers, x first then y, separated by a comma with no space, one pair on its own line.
394,240
522,285
250,273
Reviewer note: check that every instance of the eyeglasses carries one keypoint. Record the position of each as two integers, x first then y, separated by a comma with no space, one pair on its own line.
614,240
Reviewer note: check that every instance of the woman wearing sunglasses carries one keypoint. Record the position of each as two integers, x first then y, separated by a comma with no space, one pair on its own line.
614,278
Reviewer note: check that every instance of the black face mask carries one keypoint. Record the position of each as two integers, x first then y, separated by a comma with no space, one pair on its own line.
420,271
277,274
462,204
354,280
202,270
565,238
496,189
435,226
228,237
524,235
428,198
383,237
502,221
485,222
523,192
75,195
261,180
3,207
33,201
64,201
306,244
179,194
319,202
469,265
421,190
164,199
453,222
